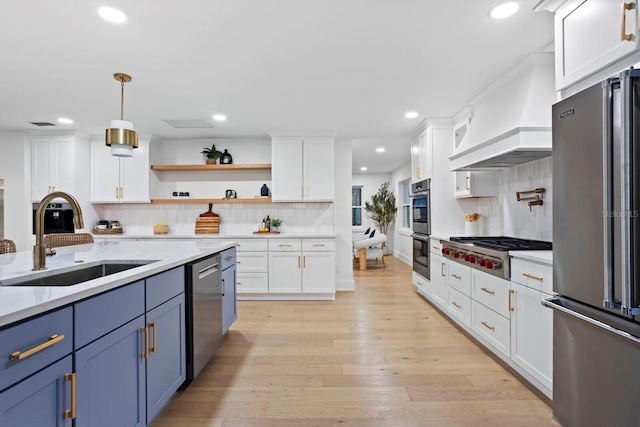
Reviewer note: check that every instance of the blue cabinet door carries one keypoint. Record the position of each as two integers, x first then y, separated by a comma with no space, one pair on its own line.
40,400
111,379
229,305
166,365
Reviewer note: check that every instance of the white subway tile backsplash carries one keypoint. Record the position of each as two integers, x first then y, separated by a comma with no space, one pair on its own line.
235,218
504,215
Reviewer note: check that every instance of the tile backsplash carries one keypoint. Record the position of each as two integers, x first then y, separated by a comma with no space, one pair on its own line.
235,218
504,215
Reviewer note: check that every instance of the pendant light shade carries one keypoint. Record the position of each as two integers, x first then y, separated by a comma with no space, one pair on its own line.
120,136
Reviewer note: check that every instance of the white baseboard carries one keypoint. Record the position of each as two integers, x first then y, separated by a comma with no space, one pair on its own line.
345,285
403,257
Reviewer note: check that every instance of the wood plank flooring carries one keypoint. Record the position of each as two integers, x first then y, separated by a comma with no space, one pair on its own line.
380,356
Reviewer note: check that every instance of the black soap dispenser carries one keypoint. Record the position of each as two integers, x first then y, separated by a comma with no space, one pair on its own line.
264,191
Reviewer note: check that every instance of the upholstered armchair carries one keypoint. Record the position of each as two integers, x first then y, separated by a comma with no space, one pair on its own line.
369,247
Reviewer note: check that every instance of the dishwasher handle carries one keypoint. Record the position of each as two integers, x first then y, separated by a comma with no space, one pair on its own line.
207,271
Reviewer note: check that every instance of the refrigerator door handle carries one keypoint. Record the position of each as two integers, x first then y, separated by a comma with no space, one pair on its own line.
626,90
553,304
607,202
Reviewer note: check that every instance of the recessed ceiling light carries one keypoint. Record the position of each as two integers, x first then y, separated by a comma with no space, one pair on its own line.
112,15
504,10
411,115
65,121
380,150
364,168
219,117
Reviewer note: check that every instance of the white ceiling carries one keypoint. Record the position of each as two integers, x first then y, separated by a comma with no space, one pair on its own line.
350,66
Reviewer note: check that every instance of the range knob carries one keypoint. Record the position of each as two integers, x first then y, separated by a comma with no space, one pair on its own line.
483,263
444,251
489,265
472,259
467,257
456,254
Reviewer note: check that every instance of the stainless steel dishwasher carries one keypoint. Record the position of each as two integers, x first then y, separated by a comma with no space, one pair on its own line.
204,313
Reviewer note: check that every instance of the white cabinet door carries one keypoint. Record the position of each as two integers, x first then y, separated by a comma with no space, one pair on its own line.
286,170
105,174
318,272
134,175
592,34
426,142
284,272
438,279
317,169
52,166
532,333
416,161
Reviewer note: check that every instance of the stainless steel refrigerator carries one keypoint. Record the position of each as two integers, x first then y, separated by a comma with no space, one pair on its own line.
596,255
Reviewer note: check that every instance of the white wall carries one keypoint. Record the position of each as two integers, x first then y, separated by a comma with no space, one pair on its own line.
15,170
402,241
342,215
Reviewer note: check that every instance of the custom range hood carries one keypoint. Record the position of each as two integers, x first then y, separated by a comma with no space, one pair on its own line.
511,123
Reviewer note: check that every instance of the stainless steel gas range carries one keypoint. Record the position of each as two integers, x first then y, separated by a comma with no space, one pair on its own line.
489,254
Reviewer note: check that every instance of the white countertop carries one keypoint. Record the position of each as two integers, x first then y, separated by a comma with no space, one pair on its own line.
212,236
20,302
544,257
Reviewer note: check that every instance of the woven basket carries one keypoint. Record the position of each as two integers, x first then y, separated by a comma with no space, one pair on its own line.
108,230
160,228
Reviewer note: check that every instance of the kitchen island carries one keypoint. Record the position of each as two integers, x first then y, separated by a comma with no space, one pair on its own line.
102,352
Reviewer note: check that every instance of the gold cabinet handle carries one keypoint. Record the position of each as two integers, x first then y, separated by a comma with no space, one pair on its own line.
145,354
454,303
456,276
488,326
238,262
531,276
511,292
318,244
239,283
71,413
466,182
283,245
228,258
117,194
19,355
442,273
121,193
298,261
304,261
489,291
623,35
155,343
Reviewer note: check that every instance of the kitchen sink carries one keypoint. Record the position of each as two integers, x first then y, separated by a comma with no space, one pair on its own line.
76,275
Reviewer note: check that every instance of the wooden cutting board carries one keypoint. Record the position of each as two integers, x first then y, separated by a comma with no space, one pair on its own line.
208,222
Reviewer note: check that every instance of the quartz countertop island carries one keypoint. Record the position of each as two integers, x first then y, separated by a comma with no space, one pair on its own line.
21,302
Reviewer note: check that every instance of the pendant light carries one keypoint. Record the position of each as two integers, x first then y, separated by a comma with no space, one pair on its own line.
121,137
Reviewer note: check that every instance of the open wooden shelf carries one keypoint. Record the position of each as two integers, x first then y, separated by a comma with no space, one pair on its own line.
216,167
212,200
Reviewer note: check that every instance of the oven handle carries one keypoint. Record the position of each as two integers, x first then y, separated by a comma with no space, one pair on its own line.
421,237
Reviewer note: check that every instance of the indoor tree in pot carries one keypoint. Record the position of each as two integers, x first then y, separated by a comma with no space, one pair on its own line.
211,154
382,209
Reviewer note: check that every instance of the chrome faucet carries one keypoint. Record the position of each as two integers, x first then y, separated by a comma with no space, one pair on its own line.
39,250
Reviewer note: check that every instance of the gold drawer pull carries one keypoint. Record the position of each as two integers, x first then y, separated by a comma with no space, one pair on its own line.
284,246
454,303
456,276
488,326
318,244
238,262
511,292
489,291
623,33
531,276
154,348
145,355
71,413
18,355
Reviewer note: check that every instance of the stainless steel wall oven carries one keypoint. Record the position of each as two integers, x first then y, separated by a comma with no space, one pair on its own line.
421,225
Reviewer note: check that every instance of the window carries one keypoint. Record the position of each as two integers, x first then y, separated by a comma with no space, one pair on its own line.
405,202
356,205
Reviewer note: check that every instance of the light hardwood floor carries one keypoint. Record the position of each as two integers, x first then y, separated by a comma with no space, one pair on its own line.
380,356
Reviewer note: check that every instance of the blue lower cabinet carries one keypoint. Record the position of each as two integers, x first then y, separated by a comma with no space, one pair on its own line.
110,374
229,305
166,365
39,401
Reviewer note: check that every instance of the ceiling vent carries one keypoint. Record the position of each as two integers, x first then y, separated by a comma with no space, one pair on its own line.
188,124
41,123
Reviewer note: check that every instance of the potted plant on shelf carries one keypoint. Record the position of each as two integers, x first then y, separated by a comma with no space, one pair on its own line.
382,209
211,154
275,224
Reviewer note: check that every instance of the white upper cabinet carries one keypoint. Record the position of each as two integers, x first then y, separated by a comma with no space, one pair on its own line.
475,184
592,34
119,179
421,156
52,165
302,169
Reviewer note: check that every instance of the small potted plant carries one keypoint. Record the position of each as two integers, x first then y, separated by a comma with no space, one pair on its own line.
211,154
275,224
